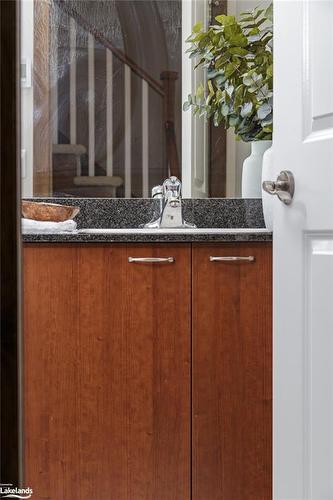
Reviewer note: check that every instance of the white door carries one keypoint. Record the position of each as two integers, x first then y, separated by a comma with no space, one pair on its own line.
303,251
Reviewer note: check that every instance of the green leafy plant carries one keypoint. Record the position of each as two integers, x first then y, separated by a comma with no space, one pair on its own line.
239,62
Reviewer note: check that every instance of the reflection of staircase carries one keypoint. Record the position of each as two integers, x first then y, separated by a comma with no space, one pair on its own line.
164,90
76,150
79,151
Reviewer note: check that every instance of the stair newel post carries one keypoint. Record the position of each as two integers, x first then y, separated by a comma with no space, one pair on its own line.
168,79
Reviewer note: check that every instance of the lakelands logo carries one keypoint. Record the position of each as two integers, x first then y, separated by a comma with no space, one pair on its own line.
9,491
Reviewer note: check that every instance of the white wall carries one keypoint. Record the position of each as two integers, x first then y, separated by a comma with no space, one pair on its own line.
194,129
237,151
27,13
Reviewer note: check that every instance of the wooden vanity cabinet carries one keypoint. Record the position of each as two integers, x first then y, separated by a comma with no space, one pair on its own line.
147,381
232,372
107,372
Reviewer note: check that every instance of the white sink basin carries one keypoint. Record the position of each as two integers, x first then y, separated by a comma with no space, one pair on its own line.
201,230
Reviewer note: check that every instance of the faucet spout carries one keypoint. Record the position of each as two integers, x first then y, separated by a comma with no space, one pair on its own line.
171,214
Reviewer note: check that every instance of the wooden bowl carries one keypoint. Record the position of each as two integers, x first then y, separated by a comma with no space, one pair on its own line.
51,212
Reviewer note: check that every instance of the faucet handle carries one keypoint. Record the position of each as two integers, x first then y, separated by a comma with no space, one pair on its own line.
172,187
157,192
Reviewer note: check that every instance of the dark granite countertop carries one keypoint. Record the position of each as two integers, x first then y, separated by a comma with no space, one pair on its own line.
146,238
218,220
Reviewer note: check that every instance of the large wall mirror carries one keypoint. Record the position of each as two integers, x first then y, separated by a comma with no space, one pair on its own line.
103,87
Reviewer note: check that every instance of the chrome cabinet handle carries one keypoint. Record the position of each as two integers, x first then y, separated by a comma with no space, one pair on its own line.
151,259
283,187
250,258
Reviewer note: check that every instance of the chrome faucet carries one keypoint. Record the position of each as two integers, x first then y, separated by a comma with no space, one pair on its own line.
170,212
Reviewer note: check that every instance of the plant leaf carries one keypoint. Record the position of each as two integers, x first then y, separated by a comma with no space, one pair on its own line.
197,27
263,111
200,91
226,20
229,90
269,71
269,12
246,109
211,88
239,51
186,106
225,109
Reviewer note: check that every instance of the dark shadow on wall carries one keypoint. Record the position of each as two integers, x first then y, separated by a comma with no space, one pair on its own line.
9,199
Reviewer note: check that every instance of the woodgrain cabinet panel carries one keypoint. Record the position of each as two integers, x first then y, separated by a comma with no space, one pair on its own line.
232,370
148,381
107,372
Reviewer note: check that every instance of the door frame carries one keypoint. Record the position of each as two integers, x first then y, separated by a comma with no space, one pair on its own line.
194,159
10,243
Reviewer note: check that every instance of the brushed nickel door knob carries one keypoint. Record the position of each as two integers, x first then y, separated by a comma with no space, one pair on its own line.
283,187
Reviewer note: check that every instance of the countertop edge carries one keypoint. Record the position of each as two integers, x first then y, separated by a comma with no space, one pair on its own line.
147,238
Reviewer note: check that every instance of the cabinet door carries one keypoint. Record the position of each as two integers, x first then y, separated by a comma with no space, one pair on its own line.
232,373
107,372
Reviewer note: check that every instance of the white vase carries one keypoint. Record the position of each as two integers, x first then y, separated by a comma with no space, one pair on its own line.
252,169
268,199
